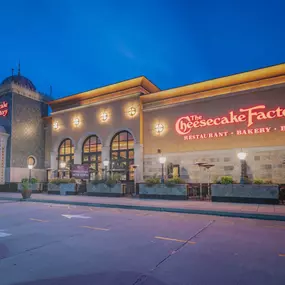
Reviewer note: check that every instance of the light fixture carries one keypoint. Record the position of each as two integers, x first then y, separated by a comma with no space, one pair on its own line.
241,155
104,116
106,162
30,166
62,164
159,128
56,125
76,122
132,111
162,159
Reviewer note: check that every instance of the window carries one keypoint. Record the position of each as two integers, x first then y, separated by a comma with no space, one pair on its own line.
66,154
91,154
122,155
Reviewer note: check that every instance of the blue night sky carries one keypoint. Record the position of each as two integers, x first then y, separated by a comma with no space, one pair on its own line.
79,45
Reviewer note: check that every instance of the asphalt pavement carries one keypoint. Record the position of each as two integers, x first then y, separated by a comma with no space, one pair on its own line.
48,244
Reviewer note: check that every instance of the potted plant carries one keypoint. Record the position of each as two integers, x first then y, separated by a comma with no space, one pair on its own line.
26,191
62,186
173,188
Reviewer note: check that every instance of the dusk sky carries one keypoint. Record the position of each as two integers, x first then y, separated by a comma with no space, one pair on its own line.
80,45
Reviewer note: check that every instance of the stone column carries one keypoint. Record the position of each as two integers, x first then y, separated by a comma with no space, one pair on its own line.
138,148
77,156
3,155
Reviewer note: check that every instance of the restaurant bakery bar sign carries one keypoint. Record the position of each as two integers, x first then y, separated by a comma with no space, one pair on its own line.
249,116
4,109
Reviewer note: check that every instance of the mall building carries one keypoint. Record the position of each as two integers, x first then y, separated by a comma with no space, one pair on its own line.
126,123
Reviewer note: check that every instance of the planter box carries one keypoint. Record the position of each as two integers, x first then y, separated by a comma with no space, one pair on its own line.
36,187
161,191
102,189
245,193
62,189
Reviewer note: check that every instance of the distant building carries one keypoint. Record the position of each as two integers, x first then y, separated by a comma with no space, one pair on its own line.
126,123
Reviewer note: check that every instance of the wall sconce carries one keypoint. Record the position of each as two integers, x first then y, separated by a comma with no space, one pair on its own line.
159,128
76,122
56,125
132,111
104,116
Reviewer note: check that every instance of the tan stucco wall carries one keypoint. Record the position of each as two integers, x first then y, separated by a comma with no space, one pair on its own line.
90,122
171,142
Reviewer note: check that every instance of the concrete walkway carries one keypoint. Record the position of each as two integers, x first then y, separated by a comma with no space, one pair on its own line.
253,211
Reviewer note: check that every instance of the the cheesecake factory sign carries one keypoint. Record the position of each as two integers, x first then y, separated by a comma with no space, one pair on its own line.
3,109
249,116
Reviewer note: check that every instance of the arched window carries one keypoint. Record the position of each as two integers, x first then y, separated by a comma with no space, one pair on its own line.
66,154
91,154
122,155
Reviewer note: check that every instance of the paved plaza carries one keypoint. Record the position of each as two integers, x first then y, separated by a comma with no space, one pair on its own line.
50,244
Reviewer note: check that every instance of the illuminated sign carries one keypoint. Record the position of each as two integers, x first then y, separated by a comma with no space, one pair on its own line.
184,125
3,109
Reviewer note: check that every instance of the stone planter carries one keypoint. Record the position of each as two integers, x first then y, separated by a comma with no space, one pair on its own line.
161,191
34,187
245,193
101,189
62,189
26,194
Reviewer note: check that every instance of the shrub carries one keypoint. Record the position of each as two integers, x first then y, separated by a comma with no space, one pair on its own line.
59,181
25,184
152,181
227,180
173,181
32,181
258,181
110,182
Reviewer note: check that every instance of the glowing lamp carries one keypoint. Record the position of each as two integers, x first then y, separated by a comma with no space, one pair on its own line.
104,116
56,125
62,164
106,162
241,155
159,128
132,111
162,159
76,122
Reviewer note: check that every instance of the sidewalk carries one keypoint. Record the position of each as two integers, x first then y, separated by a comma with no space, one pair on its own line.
251,211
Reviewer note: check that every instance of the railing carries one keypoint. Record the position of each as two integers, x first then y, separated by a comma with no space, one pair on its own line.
195,193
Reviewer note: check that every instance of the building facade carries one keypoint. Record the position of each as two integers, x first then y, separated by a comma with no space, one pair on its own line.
126,123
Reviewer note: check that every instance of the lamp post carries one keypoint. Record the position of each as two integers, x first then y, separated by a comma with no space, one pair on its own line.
106,163
135,177
30,166
242,155
62,166
162,160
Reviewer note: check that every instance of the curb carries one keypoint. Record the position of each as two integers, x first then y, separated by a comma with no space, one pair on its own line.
157,209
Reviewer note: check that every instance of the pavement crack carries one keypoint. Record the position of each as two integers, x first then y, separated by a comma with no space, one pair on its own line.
143,277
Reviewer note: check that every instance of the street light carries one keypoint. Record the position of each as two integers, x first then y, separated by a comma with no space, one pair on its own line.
30,166
242,156
106,163
135,177
62,166
162,160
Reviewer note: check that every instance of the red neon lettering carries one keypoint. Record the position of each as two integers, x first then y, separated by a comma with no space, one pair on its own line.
185,124
3,109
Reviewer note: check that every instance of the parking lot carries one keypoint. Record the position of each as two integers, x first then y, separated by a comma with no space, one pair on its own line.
59,244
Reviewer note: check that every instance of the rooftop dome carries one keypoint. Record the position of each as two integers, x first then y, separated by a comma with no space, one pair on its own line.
20,80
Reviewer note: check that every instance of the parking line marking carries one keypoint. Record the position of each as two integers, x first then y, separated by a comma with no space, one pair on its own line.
37,220
96,229
282,255
174,239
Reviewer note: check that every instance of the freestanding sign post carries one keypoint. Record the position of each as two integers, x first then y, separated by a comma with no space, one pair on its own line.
80,171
